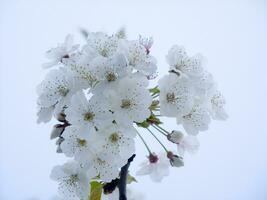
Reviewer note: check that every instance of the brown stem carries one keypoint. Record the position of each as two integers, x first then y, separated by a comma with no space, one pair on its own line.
123,179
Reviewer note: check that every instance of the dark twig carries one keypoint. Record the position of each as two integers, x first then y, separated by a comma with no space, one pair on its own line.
108,188
123,179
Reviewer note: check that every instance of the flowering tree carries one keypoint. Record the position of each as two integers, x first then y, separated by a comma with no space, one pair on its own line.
101,96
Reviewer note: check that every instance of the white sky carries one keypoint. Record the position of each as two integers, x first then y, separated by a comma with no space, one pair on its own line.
231,163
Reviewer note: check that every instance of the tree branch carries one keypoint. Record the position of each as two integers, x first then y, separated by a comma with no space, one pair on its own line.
123,179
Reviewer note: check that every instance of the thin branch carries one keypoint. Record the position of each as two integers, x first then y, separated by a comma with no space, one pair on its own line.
123,179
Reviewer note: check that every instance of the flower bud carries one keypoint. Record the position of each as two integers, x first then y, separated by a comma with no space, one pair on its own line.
56,131
59,150
175,136
175,160
61,117
59,140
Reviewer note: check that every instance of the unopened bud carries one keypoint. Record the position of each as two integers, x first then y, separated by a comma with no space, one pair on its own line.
61,117
58,143
175,137
59,150
175,160
59,140
56,131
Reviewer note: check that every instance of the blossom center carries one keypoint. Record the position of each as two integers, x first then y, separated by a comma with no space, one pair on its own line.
89,116
153,158
170,97
126,103
103,52
114,137
100,161
63,91
111,76
81,142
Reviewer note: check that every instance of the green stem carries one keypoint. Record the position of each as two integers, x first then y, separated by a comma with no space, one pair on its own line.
157,140
144,142
159,130
162,129
155,96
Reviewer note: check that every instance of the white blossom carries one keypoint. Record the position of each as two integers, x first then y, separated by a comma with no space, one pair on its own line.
196,120
101,164
115,140
89,114
45,114
148,67
203,83
136,52
74,143
176,95
130,101
61,51
147,42
180,61
102,43
184,143
157,167
188,144
57,89
108,71
217,104
73,181
80,65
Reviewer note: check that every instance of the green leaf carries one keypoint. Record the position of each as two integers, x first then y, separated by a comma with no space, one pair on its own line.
131,179
154,105
153,120
154,90
143,124
96,191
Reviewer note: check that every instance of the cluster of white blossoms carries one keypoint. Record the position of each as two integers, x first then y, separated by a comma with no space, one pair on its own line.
100,94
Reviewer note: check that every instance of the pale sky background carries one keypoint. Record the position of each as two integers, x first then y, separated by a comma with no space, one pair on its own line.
232,161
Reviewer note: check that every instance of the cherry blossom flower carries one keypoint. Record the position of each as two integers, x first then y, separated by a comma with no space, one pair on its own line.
184,143
57,89
147,42
176,95
115,140
130,101
178,60
157,167
45,114
102,43
196,120
217,104
100,164
73,181
73,143
90,115
109,71
61,51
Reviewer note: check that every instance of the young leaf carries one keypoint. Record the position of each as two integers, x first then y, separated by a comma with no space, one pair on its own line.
130,179
96,191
